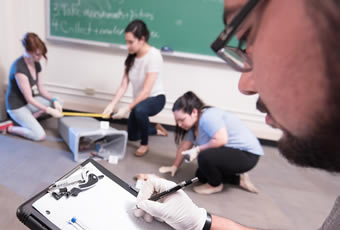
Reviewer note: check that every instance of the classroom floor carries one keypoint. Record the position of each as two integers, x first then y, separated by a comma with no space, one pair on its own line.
290,198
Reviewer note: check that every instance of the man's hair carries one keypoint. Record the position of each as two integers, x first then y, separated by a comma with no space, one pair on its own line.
326,17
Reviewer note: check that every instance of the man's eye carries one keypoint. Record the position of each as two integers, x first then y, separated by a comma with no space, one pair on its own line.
245,36
243,40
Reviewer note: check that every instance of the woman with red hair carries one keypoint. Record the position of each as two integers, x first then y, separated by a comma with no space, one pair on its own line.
26,97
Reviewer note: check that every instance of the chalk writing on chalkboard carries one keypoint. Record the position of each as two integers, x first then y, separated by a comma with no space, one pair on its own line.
187,26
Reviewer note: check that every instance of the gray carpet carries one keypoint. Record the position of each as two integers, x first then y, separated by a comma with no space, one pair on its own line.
289,198
9,201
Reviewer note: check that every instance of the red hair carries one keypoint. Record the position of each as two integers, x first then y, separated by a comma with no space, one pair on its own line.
32,43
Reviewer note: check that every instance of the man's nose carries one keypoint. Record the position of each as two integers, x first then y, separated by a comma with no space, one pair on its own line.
246,84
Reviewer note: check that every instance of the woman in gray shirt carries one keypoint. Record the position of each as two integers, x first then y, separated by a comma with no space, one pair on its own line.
26,97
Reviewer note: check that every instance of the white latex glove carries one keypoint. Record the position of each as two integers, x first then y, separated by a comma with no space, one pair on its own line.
54,113
191,154
58,106
168,169
122,112
177,209
108,109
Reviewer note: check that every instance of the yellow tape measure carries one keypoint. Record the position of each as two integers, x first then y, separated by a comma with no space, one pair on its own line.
107,116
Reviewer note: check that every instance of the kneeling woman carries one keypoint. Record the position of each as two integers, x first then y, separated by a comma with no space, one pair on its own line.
26,97
224,147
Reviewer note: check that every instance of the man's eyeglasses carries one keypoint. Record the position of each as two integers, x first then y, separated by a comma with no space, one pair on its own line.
234,57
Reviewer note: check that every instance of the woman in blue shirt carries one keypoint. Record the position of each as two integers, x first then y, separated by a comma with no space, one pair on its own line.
225,149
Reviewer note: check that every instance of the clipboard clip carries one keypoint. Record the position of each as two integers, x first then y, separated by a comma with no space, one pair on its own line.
72,178
72,186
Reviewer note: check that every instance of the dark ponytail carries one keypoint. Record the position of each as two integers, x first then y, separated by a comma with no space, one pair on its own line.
130,59
187,103
139,29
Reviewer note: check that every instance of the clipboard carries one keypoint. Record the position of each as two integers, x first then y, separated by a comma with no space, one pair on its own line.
31,213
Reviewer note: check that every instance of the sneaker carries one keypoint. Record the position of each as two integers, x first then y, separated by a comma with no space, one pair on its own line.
208,189
4,125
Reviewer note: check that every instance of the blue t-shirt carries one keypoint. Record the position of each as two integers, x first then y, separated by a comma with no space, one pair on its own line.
239,137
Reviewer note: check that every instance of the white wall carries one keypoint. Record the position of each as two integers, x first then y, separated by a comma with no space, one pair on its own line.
72,68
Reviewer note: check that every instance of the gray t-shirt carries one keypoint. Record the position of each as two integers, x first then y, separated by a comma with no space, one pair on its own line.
14,98
333,220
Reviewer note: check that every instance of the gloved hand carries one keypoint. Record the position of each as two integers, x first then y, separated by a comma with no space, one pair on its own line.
53,112
177,209
191,154
109,109
58,106
122,112
168,169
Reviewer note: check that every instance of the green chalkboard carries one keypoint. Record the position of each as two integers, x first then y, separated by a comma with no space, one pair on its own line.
187,26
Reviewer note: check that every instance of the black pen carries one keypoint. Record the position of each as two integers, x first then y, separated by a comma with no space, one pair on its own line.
174,189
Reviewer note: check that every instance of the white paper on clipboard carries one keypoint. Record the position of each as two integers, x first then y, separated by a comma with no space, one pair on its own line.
105,206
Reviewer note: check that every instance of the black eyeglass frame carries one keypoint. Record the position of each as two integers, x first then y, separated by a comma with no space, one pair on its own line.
229,31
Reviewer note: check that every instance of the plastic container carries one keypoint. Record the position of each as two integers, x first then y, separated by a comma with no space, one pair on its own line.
85,137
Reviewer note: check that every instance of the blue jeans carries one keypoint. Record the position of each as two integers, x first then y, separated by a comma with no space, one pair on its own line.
31,128
139,126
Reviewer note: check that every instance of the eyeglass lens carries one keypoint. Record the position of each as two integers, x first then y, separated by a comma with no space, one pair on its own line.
236,58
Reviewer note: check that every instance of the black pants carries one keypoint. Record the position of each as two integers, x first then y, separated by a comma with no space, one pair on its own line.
223,165
139,126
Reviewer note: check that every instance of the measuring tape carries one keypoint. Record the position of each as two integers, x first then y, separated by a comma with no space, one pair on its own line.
107,116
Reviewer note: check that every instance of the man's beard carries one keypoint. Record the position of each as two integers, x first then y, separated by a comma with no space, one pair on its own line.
311,151
319,149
